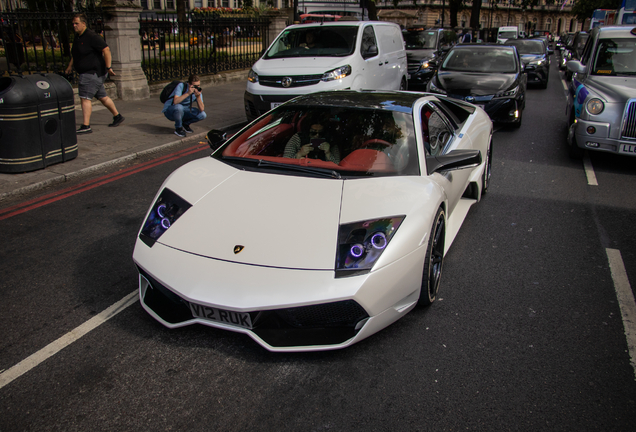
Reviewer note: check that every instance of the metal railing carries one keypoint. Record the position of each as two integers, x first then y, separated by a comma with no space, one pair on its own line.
199,44
39,41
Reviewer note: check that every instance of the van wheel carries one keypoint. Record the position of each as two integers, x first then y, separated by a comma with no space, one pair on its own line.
403,85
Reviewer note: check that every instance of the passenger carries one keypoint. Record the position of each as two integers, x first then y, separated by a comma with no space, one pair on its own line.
316,148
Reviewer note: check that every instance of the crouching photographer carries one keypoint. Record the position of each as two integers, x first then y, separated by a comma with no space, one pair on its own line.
185,106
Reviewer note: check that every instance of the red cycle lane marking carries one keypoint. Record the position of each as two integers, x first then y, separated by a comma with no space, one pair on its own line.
91,184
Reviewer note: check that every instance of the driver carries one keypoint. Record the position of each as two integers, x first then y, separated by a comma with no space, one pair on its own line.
316,146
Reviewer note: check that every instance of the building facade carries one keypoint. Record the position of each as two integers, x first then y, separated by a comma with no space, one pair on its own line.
556,18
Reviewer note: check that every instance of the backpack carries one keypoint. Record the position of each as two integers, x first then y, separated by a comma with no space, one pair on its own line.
168,89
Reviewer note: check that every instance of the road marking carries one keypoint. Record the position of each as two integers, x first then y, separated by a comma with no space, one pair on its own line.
565,87
626,302
589,170
54,347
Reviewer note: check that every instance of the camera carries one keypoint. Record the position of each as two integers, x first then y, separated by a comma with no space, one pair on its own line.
197,87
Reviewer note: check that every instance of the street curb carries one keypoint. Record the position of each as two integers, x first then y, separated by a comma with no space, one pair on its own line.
85,172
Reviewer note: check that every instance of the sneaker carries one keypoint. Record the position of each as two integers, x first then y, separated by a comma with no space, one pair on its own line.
116,120
180,132
84,129
187,128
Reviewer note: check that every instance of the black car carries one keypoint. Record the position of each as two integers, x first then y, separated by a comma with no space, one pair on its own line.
535,59
573,51
425,48
488,75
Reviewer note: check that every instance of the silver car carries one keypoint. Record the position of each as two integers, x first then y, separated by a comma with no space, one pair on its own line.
602,93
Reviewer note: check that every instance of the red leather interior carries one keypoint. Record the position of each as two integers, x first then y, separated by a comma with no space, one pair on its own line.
367,160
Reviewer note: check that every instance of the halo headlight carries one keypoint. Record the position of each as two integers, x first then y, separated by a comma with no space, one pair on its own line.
595,106
166,210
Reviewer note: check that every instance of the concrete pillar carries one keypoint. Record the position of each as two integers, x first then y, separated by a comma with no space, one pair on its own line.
278,22
121,27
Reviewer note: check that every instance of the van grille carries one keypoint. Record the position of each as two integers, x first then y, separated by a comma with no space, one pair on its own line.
413,66
297,80
629,121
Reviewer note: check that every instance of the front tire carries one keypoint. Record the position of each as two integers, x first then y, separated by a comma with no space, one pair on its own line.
434,260
574,151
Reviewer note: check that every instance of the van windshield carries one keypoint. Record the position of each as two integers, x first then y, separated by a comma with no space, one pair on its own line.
508,35
323,41
418,39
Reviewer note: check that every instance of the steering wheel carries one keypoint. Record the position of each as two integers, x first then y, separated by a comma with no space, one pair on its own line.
375,141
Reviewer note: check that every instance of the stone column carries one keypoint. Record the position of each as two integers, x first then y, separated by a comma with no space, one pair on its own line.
121,27
278,22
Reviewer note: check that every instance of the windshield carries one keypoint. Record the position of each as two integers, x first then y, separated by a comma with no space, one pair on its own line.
348,141
492,60
420,39
528,46
508,35
615,57
322,41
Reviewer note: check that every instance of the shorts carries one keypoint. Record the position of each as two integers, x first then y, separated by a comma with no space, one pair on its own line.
90,86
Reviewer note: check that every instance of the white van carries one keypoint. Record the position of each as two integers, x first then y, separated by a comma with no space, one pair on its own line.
505,33
307,58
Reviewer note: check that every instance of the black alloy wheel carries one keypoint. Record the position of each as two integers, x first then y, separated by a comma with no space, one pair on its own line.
403,85
434,261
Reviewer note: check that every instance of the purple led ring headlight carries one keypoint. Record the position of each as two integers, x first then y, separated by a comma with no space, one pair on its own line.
161,210
165,223
378,240
356,250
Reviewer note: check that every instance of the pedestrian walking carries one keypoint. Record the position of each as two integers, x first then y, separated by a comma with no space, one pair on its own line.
91,58
466,36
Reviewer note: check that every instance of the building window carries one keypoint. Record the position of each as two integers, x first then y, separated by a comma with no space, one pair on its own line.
157,4
226,3
170,4
144,4
548,24
198,3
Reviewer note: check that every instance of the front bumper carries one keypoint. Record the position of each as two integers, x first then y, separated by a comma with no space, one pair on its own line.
257,105
538,75
600,140
421,77
290,310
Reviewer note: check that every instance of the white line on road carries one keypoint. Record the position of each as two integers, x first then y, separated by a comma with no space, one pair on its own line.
626,302
54,347
589,170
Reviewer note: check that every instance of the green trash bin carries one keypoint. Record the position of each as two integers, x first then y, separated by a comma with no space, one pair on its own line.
37,122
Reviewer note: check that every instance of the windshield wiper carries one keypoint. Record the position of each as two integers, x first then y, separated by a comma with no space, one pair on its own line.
323,172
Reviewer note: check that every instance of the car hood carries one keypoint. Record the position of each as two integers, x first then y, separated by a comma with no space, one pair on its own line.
420,54
298,65
614,89
474,83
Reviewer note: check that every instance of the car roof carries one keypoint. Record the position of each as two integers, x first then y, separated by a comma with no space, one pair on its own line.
615,31
482,46
366,99
338,24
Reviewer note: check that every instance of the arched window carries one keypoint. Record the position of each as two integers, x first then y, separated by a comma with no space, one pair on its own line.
548,24
497,22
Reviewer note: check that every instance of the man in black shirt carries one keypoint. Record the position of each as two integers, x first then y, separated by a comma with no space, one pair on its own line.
92,60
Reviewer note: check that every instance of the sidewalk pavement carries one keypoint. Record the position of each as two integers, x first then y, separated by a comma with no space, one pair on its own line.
144,131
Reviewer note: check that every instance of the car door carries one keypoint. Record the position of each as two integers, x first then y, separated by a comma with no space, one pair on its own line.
439,138
374,68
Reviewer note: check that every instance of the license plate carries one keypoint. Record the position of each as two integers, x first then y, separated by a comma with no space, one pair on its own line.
275,104
239,319
627,148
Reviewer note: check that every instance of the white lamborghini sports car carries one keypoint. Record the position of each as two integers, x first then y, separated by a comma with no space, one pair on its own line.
320,223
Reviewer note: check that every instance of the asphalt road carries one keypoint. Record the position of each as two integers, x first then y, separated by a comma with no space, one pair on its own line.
527,333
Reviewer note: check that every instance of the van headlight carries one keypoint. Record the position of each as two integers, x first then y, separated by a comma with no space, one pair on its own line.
509,93
337,74
536,63
252,76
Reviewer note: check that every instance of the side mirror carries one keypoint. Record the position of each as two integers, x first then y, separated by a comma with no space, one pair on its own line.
456,159
575,66
372,51
216,138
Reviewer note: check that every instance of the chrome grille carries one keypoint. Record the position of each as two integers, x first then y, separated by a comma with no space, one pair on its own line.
297,80
629,120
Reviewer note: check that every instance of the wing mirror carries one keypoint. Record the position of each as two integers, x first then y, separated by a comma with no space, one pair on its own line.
372,51
216,138
456,159
575,66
